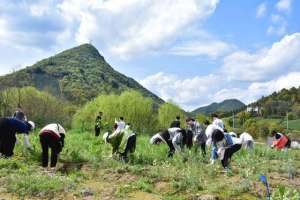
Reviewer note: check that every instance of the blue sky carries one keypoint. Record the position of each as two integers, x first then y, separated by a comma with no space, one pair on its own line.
192,52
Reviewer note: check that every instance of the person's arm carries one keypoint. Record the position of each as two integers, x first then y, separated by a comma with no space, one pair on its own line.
62,139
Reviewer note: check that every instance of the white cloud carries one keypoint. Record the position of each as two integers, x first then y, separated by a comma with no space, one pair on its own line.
126,30
284,5
189,93
258,89
278,30
280,57
275,18
212,49
261,10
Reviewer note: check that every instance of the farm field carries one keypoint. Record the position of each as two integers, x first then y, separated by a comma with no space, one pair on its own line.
87,171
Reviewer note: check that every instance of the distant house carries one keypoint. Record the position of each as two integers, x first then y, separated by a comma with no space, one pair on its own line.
254,109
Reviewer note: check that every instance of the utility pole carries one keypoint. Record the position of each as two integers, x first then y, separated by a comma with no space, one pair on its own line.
287,121
233,119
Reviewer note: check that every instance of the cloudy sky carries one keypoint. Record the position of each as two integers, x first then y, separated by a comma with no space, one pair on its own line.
192,52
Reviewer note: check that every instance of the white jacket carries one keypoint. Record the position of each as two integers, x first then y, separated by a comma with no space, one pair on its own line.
245,137
57,129
218,122
209,131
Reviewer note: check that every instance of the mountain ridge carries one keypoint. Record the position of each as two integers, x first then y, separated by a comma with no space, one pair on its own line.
77,75
224,106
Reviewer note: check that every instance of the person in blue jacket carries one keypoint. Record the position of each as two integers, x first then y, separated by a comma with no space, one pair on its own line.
9,127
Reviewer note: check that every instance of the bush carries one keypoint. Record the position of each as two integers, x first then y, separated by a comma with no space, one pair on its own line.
135,108
167,113
40,107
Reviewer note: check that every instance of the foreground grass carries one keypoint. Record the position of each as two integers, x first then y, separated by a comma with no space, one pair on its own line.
86,169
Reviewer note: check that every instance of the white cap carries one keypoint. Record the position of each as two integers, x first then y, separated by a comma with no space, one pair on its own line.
32,125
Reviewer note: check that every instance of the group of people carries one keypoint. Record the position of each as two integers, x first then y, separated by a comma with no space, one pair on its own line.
123,139
51,137
223,144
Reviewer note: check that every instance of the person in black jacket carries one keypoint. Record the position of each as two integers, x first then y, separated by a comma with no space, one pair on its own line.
176,123
9,127
98,124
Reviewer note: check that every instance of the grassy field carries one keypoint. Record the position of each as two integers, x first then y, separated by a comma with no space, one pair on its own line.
86,171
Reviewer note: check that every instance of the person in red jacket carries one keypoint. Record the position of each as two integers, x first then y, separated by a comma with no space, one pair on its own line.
280,141
51,136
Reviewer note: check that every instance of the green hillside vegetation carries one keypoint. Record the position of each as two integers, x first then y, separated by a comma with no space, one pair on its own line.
77,75
221,108
40,107
279,103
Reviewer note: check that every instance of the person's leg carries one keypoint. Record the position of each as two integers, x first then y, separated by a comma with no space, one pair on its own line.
229,151
249,145
171,148
130,147
45,154
55,150
214,154
9,144
97,131
203,149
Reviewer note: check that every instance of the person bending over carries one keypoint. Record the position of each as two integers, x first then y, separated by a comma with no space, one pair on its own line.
199,136
52,137
173,137
9,127
225,146
280,141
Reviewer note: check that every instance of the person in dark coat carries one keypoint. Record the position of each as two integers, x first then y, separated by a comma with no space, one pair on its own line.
19,114
98,124
9,127
176,123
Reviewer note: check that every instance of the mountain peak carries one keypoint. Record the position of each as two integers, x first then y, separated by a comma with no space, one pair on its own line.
227,105
82,50
77,74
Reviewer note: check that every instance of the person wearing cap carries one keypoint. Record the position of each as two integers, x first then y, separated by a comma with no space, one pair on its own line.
176,123
9,127
173,137
225,146
280,141
52,137
216,121
247,141
199,136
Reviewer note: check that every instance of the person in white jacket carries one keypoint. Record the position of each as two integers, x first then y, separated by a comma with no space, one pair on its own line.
247,140
52,136
119,127
209,131
173,137
217,121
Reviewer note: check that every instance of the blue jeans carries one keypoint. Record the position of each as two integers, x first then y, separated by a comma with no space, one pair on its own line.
214,150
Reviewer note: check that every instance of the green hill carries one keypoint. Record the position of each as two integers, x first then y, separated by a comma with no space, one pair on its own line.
279,103
77,75
225,106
